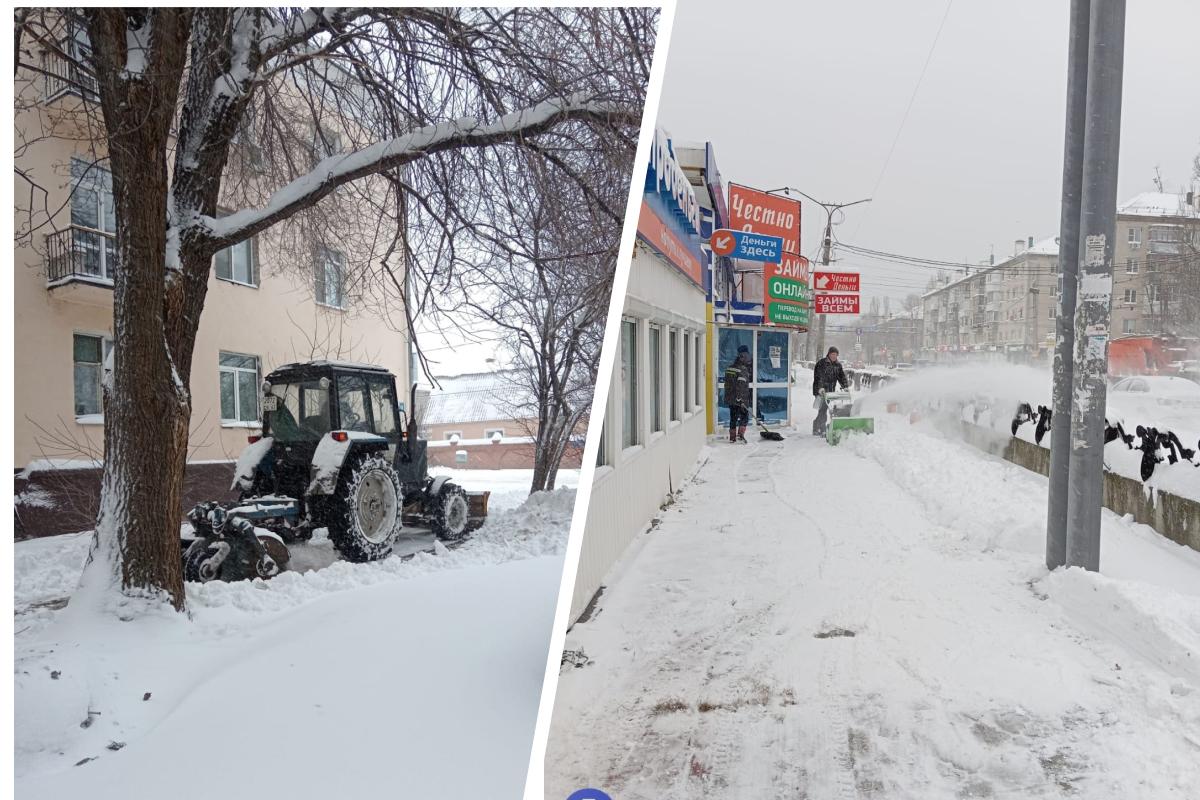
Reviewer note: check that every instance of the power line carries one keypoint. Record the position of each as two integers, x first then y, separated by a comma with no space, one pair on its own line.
904,119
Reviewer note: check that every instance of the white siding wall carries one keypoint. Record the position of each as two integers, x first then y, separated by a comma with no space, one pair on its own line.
633,482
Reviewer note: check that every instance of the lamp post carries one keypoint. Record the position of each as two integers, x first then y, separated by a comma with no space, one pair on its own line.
826,245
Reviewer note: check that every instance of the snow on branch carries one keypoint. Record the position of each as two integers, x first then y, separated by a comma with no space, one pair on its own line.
337,170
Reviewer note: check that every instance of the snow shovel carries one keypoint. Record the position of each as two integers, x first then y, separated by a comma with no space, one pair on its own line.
773,436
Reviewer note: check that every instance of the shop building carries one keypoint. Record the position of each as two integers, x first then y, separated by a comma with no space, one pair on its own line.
655,422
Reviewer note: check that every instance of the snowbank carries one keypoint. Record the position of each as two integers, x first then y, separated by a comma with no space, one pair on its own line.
989,395
392,673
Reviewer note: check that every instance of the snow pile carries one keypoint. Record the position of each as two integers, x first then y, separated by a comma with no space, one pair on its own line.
989,395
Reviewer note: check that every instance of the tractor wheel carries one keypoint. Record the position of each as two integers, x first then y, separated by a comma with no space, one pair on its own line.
449,513
363,516
194,568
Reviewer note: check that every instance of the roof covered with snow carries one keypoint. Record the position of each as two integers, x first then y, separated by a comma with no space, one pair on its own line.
476,397
1158,204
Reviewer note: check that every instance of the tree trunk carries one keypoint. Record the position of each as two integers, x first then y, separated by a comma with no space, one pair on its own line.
135,548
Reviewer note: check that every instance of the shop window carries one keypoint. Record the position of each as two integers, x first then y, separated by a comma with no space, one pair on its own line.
629,381
673,363
656,378
772,357
688,339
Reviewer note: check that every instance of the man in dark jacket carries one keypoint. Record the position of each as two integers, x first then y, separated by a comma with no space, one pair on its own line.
827,375
737,394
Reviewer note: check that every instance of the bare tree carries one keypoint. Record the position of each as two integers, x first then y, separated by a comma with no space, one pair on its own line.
542,278
219,124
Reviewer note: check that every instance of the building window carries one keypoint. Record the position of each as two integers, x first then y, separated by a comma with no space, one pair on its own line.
1131,266
1135,236
688,383
1053,312
236,263
602,447
92,210
699,356
239,387
452,436
489,433
1152,293
1127,326
656,378
673,363
330,278
629,381
1131,296
90,353
326,142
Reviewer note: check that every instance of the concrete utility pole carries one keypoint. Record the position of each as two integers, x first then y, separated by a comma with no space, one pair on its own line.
1098,220
826,249
1068,265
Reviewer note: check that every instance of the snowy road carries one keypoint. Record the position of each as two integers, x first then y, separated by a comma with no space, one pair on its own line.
874,621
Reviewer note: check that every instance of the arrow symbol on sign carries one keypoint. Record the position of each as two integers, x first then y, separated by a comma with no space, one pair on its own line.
822,281
723,242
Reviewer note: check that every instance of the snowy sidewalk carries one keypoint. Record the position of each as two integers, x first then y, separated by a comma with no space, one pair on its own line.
874,621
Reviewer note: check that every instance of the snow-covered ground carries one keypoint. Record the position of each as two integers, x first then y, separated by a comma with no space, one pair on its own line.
348,680
875,620
509,487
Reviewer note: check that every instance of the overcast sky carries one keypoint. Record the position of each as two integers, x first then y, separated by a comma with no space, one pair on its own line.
811,94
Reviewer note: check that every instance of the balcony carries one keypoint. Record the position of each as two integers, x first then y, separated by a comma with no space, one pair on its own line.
80,255
65,77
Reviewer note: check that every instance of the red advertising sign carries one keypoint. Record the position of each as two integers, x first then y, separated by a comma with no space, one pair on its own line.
835,281
835,303
752,210
662,239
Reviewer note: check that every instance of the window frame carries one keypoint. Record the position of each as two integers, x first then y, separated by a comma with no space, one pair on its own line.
252,245
237,401
106,345
630,421
654,342
326,256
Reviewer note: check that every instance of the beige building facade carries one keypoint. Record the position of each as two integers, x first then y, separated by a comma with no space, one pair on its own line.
265,306
1003,311
1157,237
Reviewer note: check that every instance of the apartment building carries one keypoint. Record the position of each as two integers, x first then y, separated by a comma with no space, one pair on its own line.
1158,236
269,303
1003,311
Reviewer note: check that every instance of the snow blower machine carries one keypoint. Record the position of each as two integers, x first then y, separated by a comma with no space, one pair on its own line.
337,452
841,423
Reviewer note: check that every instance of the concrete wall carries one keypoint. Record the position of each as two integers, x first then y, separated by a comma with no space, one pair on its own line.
1176,518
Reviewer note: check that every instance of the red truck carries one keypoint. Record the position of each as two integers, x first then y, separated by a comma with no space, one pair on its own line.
1150,355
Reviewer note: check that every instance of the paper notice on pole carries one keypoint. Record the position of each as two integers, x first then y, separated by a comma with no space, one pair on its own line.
1094,250
1097,341
1095,288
